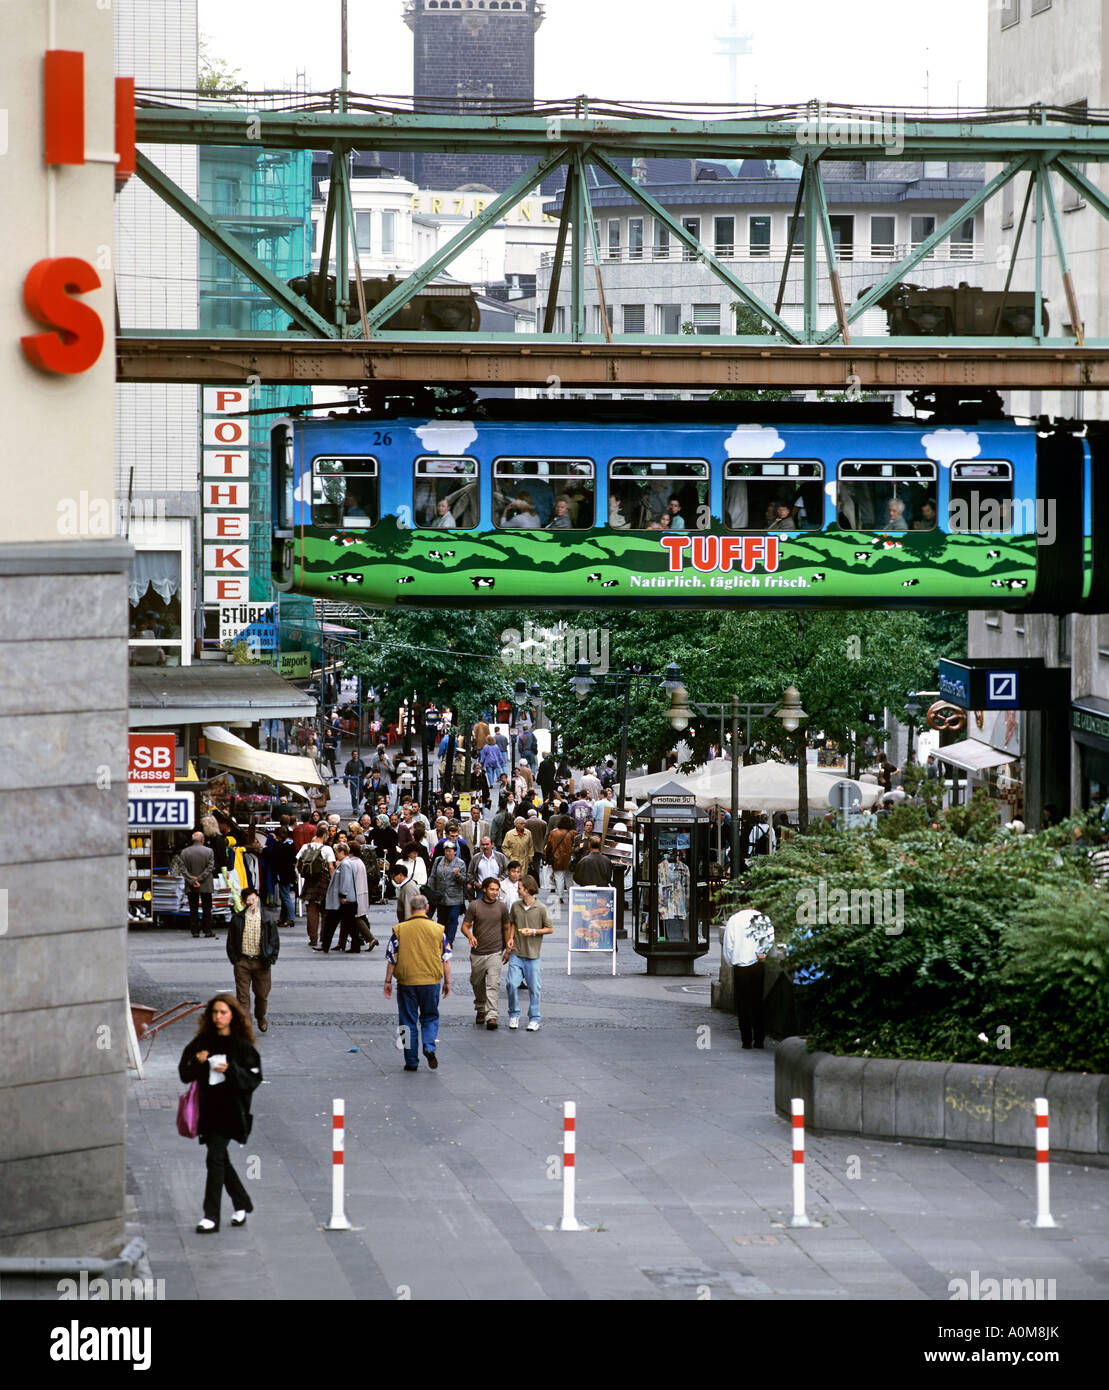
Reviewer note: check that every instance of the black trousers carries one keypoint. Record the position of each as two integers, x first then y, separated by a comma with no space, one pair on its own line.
220,1175
748,982
196,897
342,917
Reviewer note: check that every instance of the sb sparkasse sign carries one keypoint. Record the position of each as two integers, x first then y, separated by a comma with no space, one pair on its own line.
151,759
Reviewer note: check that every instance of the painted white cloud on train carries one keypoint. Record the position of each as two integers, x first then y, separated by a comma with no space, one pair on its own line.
945,446
446,436
754,442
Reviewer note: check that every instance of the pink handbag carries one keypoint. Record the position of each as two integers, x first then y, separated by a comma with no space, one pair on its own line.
188,1112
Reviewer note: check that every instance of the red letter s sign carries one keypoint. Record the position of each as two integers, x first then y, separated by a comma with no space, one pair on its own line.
78,335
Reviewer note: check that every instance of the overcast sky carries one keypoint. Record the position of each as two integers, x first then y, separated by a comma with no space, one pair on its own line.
854,50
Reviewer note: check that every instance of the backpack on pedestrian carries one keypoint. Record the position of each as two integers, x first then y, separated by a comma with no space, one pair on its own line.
313,864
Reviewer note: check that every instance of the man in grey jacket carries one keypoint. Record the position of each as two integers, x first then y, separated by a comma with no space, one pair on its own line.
199,863
357,927
341,902
407,889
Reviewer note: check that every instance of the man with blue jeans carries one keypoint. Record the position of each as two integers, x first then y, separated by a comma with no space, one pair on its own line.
420,958
528,923
354,774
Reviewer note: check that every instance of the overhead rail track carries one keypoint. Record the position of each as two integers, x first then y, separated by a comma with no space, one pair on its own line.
586,137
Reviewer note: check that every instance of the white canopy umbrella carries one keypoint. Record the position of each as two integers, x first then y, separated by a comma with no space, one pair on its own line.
770,786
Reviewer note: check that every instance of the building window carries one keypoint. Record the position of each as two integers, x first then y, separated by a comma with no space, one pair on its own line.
315,233
388,233
921,227
843,235
662,241
1010,13
883,237
154,593
599,318
560,319
795,231
693,226
992,617
706,319
758,235
227,192
635,318
614,240
1063,638
668,318
362,230
445,493
635,238
1007,195
1038,6
723,237
547,494
1072,199
935,169
962,240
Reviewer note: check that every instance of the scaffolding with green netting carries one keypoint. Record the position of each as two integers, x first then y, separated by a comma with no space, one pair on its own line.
263,198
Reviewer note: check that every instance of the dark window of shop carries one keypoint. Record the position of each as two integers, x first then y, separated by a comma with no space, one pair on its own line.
445,493
345,493
779,496
658,494
894,496
981,498
155,608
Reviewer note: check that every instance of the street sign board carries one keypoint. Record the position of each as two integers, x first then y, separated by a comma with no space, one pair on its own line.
252,623
294,665
842,794
151,758
161,810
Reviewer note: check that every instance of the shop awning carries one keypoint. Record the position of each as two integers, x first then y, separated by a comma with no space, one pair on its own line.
212,692
973,756
228,750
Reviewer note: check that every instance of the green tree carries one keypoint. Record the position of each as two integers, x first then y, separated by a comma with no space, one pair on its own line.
215,77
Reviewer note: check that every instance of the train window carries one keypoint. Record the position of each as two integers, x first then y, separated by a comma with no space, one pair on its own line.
779,496
658,494
345,492
886,496
444,493
981,496
543,494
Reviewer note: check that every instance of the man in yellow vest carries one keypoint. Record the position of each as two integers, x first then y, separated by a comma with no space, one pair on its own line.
420,958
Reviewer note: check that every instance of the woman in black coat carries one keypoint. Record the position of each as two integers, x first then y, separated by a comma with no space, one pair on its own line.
224,1032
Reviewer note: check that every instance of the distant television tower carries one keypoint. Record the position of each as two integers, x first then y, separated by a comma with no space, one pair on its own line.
733,46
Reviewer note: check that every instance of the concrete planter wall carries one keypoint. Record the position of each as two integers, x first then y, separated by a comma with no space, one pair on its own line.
943,1102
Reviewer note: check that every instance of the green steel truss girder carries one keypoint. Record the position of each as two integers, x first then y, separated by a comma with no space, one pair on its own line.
942,232
473,229
662,137
749,297
243,260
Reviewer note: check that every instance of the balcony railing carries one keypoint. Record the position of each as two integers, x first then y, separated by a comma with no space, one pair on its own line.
776,251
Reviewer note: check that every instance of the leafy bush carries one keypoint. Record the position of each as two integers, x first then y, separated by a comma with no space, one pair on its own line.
990,948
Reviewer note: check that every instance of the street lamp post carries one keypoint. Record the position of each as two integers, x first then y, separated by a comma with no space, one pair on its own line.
793,719
680,714
912,709
627,684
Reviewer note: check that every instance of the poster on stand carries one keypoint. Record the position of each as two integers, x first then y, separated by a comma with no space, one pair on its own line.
592,923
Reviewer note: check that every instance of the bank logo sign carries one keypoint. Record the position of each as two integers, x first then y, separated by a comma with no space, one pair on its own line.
1002,690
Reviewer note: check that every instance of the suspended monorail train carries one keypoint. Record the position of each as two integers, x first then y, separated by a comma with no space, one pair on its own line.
581,503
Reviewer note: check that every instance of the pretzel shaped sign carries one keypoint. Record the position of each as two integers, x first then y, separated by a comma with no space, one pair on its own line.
942,715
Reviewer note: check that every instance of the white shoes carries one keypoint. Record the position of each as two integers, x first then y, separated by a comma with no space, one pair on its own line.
239,1218
514,1021
533,1025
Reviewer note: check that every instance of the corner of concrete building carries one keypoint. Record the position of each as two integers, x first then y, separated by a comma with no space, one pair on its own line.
63,674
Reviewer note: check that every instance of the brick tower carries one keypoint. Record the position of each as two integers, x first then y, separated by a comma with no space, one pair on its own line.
469,52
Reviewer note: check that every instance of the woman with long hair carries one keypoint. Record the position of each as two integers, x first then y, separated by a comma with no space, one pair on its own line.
224,1062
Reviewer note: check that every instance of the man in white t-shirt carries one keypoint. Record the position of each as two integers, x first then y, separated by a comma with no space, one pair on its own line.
748,935
315,864
510,884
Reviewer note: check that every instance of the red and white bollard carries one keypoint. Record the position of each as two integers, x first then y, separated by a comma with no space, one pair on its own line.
1043,1157
338,1220
569,1150
798,1218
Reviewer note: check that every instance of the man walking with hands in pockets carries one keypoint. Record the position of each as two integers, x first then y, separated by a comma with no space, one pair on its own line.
528,923
484,926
